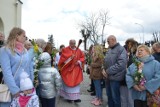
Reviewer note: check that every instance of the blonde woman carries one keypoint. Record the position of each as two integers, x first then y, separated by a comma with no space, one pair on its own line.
13,58
96,72
151,71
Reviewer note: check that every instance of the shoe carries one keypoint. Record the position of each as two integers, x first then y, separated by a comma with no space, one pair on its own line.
77,101
93,101
93,94
90,90
97,102
69,101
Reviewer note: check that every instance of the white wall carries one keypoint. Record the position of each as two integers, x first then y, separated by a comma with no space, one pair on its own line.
10,15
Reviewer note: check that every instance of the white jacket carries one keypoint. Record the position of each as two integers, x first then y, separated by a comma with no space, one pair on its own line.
33,101
49,78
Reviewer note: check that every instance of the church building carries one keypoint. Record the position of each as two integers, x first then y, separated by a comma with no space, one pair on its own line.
10,15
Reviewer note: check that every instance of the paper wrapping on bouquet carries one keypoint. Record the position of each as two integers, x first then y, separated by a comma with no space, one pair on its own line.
5,95
153,100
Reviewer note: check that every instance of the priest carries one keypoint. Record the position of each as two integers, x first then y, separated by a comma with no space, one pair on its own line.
71,69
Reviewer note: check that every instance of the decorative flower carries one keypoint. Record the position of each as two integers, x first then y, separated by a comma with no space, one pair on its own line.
35,47
140,70
138,76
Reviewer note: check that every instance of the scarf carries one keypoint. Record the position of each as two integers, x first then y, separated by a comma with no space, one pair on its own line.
23,100
143,59
19,47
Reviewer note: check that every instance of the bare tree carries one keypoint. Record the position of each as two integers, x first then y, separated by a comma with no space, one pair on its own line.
85,35
156,36
95,25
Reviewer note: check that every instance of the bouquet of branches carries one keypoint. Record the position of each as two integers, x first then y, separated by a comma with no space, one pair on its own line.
138,76
37,62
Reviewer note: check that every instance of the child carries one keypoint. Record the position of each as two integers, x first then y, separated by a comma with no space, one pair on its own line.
49,81
27,97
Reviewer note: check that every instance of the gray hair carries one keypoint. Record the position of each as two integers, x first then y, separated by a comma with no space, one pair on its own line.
157,45
145,47
41,43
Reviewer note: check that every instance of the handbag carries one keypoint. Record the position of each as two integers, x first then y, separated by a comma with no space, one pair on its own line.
153,100
5,94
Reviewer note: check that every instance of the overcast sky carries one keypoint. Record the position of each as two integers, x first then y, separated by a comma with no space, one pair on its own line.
60,18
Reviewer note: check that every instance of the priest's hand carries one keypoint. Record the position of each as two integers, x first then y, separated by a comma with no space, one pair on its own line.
77,63
72,56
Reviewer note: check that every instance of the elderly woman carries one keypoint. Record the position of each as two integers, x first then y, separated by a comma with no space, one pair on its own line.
150,68
41,44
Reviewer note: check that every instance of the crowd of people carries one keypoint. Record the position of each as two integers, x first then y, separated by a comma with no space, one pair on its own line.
119,70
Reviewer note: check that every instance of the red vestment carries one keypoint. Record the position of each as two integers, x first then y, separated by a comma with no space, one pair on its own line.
71,74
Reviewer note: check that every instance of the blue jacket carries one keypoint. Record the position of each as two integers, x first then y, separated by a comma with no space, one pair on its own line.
151,71
10,62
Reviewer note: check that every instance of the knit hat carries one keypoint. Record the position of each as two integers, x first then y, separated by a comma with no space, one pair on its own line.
25,82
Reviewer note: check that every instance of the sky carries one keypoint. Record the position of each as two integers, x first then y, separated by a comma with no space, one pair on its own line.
41,18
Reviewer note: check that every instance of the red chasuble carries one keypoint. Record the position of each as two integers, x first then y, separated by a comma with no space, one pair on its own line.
71,73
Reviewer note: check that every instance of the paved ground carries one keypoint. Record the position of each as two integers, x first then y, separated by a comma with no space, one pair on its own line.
85,97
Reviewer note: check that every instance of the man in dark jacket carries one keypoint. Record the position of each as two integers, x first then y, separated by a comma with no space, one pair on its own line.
114,70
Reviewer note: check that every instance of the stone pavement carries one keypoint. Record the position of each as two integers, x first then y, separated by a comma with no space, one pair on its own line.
85,97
